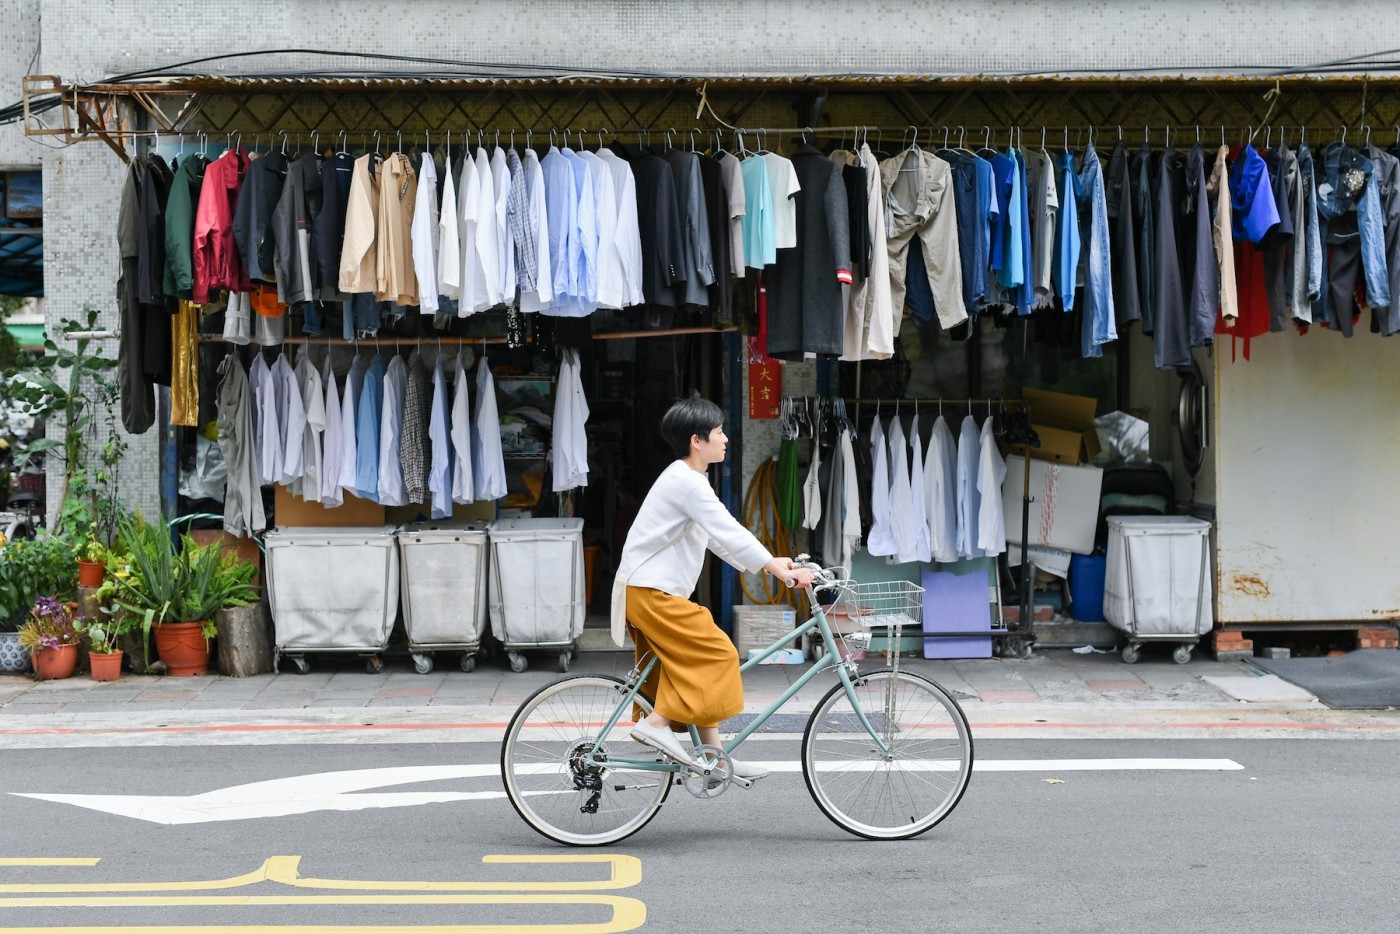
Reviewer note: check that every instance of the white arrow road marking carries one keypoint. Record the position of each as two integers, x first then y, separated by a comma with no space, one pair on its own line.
336,791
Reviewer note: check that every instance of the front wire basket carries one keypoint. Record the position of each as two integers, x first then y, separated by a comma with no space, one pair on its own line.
862,610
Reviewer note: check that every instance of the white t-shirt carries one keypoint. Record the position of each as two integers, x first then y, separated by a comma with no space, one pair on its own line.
782,182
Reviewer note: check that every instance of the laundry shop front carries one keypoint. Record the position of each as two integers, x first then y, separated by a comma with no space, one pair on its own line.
1281,425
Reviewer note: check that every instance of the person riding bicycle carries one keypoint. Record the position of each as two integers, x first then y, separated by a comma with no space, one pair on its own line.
698,680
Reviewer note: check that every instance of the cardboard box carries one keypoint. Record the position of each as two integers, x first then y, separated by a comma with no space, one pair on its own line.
1065,425
1064,510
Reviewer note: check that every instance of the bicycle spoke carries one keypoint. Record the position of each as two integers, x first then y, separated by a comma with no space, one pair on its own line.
927,768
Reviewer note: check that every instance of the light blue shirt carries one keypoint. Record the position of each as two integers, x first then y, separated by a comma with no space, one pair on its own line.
368,410
391,488
1099,325
561,212
583,247
760,233
969,500
1067,232
1012,272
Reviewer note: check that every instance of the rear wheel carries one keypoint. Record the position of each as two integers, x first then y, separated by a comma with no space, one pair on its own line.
551,783
904,793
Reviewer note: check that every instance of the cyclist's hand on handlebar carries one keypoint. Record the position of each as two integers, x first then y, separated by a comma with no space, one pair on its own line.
787,572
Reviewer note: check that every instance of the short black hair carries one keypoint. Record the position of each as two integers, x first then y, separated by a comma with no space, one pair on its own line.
687,418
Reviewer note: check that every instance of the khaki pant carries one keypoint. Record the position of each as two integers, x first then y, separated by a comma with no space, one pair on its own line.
698,679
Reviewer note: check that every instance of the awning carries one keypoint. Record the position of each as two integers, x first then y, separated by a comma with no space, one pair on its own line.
30,336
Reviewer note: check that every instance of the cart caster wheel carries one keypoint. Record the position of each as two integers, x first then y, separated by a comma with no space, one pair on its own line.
1024,650
468,663
1130,654
299,663
564,659
374,664
1182,654
517,662
422,664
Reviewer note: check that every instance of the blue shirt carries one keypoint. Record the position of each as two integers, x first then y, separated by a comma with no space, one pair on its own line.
368,410
1067,231
1252,207
758,226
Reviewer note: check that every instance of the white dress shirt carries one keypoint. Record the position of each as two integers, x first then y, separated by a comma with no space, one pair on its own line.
917,487
488,251
850,501
463,487
628,236
611,283
349,451
901,496
488,460
391,488
991,471
505,243
941,492
314,406
440,468
881,539
264,399
468,200
969,505
424,236
332,445
678,521
569,450
449,243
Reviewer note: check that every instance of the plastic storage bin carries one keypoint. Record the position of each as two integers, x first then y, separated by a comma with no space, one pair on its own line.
1086,577
537,586
332,590
442,571
1157,581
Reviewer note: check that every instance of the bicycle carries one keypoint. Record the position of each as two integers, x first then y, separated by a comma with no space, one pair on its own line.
886,754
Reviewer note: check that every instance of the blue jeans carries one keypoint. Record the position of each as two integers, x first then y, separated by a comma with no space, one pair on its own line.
970,200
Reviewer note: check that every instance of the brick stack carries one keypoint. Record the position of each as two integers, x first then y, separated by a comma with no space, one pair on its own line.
1231,645
1377,639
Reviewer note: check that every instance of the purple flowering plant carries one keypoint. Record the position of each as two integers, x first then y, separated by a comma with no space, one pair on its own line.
50,625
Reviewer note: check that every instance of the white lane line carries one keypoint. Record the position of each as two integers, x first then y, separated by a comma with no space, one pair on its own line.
341,791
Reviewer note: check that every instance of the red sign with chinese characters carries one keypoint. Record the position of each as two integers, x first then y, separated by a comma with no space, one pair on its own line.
765,388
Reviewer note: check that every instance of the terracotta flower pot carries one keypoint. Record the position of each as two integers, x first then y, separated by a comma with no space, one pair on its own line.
106,666
57,663
182,647
90,573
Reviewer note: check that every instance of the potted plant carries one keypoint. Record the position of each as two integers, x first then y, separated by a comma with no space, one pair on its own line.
29,569
175,592
50,635
103,635
92,557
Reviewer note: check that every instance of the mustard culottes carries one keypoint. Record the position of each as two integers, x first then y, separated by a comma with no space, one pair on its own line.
698,679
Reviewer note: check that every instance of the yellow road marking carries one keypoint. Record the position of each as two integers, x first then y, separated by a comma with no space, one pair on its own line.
49,860
624,872
616,926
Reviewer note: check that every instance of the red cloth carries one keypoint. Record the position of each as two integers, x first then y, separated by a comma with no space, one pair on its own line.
1253,299
216,263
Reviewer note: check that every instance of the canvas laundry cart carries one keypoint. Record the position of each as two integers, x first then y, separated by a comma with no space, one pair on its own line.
1157,582
443,588
332,590
537,587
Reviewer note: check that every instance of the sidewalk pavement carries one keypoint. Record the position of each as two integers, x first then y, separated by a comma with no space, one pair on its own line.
1056,690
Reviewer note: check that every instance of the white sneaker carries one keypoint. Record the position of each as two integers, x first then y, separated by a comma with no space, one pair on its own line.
747,770
662,739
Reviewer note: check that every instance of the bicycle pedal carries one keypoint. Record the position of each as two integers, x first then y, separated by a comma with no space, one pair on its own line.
741,782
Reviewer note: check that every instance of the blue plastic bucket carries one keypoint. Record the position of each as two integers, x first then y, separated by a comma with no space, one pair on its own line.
1086,574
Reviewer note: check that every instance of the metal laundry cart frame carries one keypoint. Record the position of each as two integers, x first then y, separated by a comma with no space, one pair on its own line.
1182,653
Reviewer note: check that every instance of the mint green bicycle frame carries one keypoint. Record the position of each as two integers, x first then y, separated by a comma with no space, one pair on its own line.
832,658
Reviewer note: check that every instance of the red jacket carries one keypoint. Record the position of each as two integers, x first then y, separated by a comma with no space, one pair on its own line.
216,264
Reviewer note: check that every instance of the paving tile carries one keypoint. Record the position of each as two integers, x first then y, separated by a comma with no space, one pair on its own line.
1117,684
33,709
1008,697
405,692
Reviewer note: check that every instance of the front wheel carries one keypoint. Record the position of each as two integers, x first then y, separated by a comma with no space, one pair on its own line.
896,795
548,776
